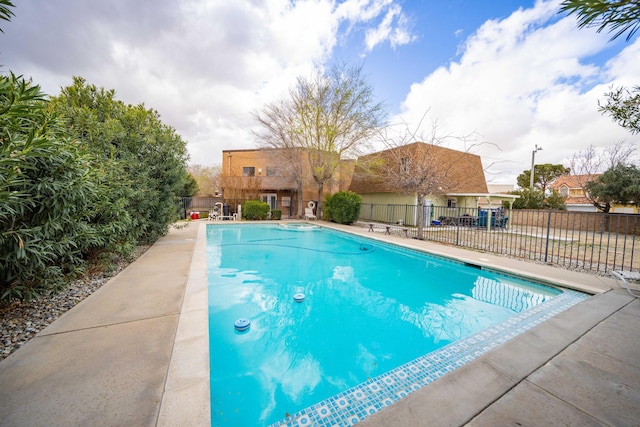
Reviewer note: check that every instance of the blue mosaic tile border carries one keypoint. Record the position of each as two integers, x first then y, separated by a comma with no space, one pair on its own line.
355,404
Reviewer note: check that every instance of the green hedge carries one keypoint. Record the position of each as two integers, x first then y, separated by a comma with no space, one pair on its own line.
83,177
343,207
255,210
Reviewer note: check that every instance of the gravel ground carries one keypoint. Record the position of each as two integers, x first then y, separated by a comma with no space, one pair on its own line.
21,321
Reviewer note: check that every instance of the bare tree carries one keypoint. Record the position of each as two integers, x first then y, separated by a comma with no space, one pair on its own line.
279,132
207,177
422,168
330,116
241,187
588,164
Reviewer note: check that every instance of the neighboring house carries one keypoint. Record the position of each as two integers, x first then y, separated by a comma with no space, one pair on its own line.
456,179
456,172
268,175
571,187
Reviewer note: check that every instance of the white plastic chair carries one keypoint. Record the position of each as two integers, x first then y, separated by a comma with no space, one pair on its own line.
308,214
626,276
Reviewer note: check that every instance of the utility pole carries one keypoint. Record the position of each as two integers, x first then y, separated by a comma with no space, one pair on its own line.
533,161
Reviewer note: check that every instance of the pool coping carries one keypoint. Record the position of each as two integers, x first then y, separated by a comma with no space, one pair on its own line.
187,394
135,352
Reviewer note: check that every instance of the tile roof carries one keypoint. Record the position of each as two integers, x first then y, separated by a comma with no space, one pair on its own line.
572,181
458,171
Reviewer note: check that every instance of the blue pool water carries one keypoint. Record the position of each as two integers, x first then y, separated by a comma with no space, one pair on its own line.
368,308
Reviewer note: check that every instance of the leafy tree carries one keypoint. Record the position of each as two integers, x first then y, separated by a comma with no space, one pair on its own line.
623,105
47,193
142,161
615,16
554,201
543,175
529,199
620,184
5,12
536,197
331,116
190,187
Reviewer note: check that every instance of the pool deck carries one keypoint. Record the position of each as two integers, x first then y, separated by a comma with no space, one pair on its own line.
135,353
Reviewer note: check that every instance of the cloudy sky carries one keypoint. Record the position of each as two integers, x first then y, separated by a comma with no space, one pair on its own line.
513,73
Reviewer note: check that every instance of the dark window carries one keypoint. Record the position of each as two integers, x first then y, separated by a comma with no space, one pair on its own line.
405,162
273,171
248,171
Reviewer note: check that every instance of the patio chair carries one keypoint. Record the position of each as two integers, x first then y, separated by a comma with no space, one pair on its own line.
625,277
502,222
308,214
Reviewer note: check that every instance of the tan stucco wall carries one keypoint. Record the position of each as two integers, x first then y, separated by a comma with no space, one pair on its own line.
388,199
234,161
467,202
405,199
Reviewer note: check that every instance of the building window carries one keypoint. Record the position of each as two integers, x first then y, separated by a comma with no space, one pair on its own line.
451,203
271,199
248,171
273,171
405,162
564,191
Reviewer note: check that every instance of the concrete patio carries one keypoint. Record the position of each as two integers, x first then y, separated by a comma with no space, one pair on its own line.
135,353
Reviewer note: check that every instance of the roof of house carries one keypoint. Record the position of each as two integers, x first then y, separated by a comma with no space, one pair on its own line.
572,181
577,201
457,171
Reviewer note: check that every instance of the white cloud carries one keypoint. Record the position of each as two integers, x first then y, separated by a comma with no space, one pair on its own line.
522,81
204,65
394,28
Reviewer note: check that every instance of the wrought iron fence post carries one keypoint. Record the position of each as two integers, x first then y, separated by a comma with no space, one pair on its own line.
458,227
574,241
546,249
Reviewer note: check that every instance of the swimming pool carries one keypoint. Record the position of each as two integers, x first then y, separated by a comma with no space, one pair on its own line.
376,323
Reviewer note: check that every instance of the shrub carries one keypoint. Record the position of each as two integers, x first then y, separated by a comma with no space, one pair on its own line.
276,214
82,176
47,192
255,209
343,207
326,212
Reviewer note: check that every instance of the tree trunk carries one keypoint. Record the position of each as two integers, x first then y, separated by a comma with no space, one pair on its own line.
319,204
300,209
421,219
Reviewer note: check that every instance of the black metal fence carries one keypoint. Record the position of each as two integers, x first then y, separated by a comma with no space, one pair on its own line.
585,241
204,205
